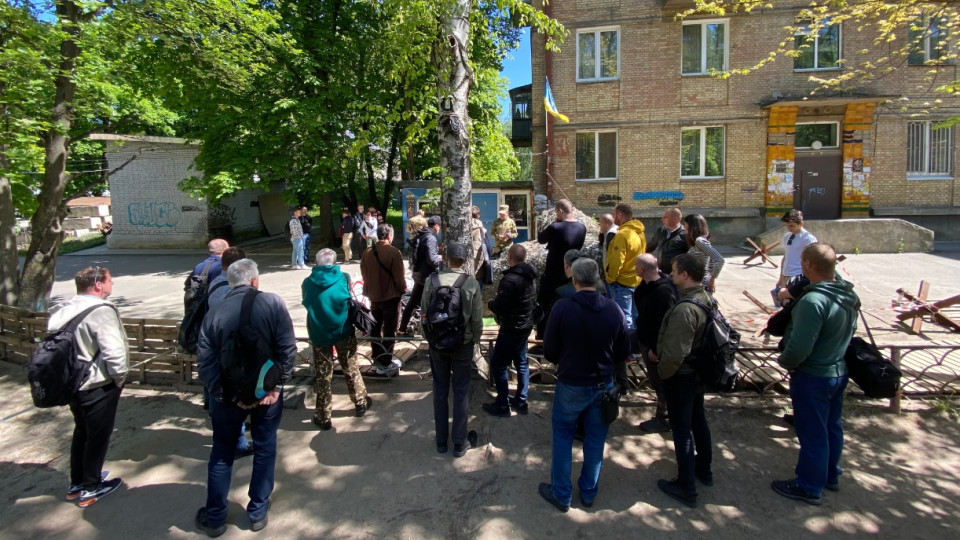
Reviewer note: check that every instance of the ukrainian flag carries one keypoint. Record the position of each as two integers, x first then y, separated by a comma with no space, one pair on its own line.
550,105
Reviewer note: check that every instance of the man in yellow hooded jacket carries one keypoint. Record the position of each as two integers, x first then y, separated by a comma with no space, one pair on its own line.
621,272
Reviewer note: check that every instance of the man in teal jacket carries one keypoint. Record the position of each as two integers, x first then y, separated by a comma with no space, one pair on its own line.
325,295
822,323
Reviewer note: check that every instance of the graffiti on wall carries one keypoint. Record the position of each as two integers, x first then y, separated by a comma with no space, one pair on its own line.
607,199
658,195
161,214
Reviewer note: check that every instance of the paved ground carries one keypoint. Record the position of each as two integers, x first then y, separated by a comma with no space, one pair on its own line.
379,477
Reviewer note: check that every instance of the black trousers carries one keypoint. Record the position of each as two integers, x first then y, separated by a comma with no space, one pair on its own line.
385,314
94,412
416,295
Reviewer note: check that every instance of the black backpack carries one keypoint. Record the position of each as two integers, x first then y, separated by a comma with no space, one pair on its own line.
248,371
190,325
874,374
55,372
714,359
443,323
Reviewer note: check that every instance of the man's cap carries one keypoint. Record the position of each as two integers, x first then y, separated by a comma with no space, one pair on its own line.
434,220
504,208
456,251
796,216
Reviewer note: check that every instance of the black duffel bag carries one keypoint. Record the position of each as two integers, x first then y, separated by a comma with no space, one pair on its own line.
874,374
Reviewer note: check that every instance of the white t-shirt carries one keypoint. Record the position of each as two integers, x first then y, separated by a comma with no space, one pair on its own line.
792,249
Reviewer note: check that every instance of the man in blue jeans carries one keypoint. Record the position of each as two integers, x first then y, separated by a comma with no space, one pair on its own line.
680,333
514,308
586,337
215,347
822,323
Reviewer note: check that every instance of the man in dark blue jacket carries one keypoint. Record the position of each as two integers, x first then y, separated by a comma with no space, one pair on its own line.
585,336
514,309
425,261
216,345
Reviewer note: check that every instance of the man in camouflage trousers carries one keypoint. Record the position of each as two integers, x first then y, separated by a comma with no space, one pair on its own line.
503,230
325,295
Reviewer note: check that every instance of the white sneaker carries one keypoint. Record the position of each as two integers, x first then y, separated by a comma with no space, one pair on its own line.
389,370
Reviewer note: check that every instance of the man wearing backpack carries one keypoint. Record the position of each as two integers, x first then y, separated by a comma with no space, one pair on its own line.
204,272
218,364
451,356
681,333
102,342
823,321
384,283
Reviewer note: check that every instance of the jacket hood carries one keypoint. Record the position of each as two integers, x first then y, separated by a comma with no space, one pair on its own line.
634,225
325,276
525,270
590,300
841,291
423,232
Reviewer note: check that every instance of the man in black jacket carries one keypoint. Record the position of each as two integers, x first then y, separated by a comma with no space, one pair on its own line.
669,240
424,261
654,297
514,309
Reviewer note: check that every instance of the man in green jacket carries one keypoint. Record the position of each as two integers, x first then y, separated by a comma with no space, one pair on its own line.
822,323
326,294
680,332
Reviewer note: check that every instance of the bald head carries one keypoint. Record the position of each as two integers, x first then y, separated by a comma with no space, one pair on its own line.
606,221
647,267
671,218
217,246
819,262
516,254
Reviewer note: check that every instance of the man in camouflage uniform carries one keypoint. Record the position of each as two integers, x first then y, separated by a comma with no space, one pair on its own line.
326,296
503,230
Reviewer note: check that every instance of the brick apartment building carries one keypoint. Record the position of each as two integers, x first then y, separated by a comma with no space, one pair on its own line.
650,126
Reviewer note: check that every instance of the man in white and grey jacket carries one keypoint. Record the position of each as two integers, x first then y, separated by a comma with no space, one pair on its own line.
101,341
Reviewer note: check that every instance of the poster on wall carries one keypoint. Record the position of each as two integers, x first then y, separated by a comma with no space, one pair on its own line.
780,182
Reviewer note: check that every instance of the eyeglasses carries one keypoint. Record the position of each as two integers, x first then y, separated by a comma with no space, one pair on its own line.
790,240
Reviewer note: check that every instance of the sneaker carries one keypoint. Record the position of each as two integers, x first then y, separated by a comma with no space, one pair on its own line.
792,490
324,425
442,448
73,490
459,450
259,525
201,521
493,410
362,408
673,489
105,488
546,491
654,425
521,408
388,370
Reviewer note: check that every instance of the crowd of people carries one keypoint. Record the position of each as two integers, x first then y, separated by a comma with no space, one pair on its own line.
644,301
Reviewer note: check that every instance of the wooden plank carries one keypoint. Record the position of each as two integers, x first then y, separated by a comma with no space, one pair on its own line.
922,296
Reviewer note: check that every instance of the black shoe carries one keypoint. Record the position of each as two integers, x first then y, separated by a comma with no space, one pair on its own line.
362,408
585,503
247,451
673,489
654,425
326,425
521,408
546,491
105,488
459,450
442,448
705,479
493,410
201,521
259,525
791,490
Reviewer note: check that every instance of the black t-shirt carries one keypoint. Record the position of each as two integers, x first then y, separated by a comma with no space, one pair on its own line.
560,237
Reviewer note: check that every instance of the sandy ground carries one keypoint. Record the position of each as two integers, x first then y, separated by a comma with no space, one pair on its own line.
379,476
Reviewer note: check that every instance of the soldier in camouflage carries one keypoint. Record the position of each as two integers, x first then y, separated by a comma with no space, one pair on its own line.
325,295
503,230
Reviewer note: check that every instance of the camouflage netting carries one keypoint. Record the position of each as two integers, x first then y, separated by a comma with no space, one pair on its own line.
537,253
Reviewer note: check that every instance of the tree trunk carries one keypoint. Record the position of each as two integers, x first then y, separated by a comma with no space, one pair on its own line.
391,166
454,79
36,281
9,261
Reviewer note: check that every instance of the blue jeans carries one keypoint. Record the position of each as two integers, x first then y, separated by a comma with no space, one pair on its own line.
690,430
511,347
623,296
451,368
227,419
817,410
296,257
242,441
568,404
306,248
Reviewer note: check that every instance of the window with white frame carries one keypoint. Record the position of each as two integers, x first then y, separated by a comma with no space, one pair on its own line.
597,155
598,54
819,47
929,41
827,133
929,150
704,47
701,152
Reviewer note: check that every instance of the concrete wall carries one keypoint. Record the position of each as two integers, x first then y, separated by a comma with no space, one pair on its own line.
850,236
